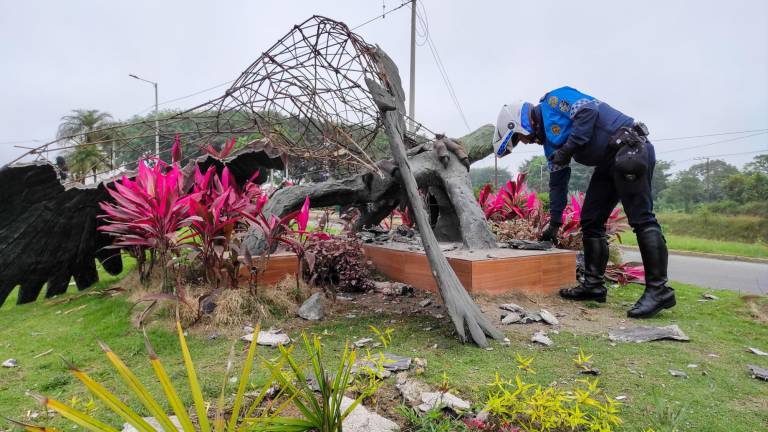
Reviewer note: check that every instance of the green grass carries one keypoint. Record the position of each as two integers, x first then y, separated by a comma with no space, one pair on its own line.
714,226
693,244
718,396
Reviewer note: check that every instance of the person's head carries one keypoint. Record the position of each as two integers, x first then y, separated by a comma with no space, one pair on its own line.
514,124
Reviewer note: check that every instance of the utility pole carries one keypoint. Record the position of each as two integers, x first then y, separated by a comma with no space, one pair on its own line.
412,89
707,183
157,122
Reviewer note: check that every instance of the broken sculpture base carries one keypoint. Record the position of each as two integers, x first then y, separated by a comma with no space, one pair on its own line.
489,272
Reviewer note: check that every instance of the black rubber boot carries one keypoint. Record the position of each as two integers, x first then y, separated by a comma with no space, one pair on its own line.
657,295
595,260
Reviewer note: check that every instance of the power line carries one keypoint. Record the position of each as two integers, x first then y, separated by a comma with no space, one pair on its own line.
709,135
713,143
721,155
403,4
441,67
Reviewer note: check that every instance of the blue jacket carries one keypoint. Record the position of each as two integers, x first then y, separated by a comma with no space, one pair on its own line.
583,126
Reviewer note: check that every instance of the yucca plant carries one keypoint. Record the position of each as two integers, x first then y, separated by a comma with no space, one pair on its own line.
237,421
320,413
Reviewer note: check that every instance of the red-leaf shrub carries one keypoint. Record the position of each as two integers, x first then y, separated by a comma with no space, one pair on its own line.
337,263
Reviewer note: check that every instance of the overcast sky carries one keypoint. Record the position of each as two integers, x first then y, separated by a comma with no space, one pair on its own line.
683,67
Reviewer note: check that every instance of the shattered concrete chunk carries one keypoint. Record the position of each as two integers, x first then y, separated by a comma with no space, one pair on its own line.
312,308
541,338
511,318
411,389
647,334
425,303
758,372
362,342
363,420
271,338
677,373
10,363
432,400
757,351
127,427
548,317
512,307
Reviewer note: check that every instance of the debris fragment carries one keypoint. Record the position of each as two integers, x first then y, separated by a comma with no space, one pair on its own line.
411,389
548,317
511,318
362,342
512,307
678,374
10,363
312,308
647,334
542,338
432,400
363,420
271,338
708,296
425,303
127,427
44,353
392,288
757,351
758,372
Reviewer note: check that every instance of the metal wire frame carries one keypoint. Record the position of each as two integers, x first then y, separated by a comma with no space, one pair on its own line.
306,94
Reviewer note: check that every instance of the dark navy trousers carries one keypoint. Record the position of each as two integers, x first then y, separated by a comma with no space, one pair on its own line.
602,197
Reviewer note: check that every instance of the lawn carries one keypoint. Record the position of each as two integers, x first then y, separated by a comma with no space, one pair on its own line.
719,394
720,247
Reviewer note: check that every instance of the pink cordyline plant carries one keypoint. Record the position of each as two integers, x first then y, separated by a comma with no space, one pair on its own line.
615,225
149,211
216,205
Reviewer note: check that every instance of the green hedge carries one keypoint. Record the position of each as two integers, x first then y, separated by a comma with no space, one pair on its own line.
747,229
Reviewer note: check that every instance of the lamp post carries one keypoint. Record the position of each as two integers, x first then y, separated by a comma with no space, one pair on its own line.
157,123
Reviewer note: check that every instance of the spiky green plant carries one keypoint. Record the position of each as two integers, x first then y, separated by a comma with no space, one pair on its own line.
237,420
321,413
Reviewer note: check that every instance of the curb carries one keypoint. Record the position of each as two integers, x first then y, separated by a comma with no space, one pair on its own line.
708,255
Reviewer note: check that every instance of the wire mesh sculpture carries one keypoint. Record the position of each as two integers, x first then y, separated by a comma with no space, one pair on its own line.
322,93
306,95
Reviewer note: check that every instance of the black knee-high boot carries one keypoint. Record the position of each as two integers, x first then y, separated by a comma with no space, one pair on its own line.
657,295
595,260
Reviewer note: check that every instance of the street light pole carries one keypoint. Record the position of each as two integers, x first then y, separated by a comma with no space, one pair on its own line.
157,122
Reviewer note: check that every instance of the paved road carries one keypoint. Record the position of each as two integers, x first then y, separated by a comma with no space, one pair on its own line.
714,273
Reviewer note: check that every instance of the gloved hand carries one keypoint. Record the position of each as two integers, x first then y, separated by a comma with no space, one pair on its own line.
550,234
560,157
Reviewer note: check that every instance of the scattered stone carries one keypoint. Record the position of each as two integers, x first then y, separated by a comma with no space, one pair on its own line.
362,342
512,307
530,317
678,374
713,355
411,389
420,362
506,342
548,318
589,370
620,397
271,338
248,329
10,363
439,316
363,420
542,338
758,372
432,400
511,318
757,351
343,297
351,316
708,296
692,365
127,427
392,363
425,303
213,336
312,308
392,288
647,334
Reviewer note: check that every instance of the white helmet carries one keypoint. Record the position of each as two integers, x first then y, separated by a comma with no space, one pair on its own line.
514,120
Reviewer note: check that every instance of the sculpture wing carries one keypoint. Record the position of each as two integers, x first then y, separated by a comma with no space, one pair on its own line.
48,233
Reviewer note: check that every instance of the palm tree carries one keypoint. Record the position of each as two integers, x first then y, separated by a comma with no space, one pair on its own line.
84,128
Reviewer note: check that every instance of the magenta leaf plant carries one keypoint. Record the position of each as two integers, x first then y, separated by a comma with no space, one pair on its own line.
148,211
